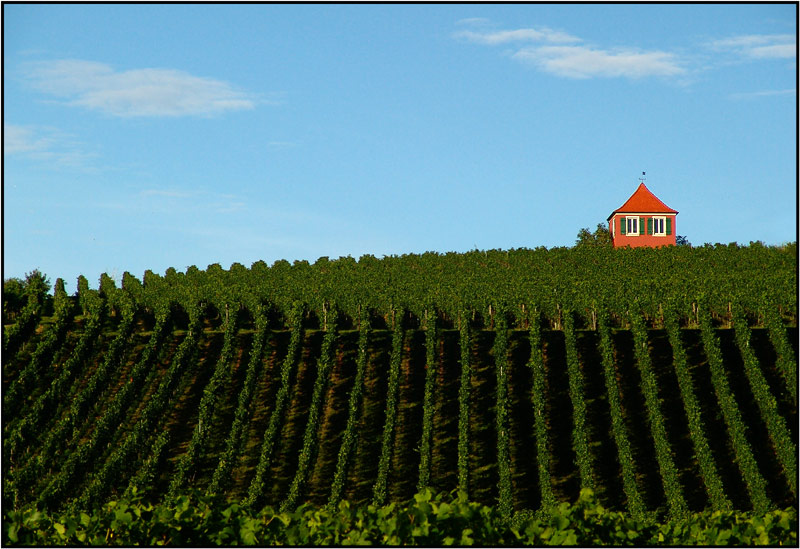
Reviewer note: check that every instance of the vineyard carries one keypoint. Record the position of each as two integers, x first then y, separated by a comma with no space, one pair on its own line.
663,380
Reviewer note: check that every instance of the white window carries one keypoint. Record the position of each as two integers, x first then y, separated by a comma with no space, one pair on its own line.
660,226
632,226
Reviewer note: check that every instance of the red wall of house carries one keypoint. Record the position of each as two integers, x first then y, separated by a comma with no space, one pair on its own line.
643,239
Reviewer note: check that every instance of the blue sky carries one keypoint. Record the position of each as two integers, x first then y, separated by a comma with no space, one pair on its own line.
152,136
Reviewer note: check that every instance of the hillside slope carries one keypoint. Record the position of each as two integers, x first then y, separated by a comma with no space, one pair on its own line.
519,377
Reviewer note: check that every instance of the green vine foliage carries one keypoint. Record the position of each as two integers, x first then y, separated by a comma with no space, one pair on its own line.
51,401
152,467
539,377
25,432
63,482
463,402
787,363
580,437
506,278
125,454
21,386
324,367
208,403
83,412
785,449
258,485
379,490
233,443
743,454
353,407
500,352
18,333
708,469
669,474
427,520
426,443
635,503
69,425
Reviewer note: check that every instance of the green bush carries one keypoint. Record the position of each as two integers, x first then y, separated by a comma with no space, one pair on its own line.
427,520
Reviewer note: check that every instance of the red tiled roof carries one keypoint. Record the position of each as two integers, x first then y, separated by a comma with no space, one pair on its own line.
643,201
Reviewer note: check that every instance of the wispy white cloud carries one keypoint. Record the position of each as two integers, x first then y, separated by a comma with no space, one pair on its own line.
230,207
562,54
23,139
759,46
49,146
779,51
763,93
137,92
587,62
542,34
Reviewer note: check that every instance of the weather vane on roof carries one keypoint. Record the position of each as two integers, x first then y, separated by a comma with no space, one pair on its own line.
641,179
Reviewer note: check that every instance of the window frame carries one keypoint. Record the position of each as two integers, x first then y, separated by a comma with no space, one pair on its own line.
662,221
636,223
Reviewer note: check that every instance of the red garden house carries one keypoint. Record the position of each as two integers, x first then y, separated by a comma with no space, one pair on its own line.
643,221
